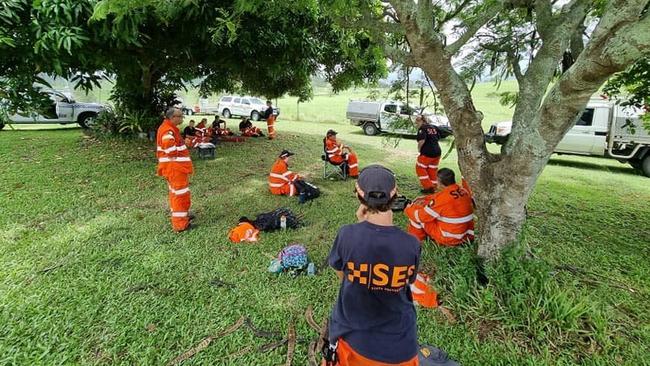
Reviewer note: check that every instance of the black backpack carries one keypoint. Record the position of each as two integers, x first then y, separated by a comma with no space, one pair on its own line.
306,190
270,221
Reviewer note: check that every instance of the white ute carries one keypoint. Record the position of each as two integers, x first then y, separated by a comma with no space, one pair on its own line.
64,110
604,129
376,117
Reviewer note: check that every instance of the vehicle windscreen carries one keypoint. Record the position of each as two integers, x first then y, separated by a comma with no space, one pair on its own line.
256,101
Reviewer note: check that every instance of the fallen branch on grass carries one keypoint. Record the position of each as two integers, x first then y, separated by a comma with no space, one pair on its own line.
291,347
206,342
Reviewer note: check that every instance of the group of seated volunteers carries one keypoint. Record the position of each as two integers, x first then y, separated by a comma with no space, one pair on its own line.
198,135
201,133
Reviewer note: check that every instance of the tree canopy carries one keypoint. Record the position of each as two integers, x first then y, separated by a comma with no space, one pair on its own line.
560,53
156,47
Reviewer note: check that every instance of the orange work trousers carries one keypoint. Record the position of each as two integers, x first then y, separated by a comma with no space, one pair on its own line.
347,356
269,123
352,161
179,199
427,171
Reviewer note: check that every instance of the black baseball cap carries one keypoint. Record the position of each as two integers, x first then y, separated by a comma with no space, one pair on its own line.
286,153
331,132
376,182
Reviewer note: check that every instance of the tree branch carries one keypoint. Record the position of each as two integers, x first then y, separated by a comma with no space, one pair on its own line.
399,56
513,59
481,19
452,14
620,38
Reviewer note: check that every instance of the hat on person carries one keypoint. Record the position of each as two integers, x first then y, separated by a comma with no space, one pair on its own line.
286,153
331,133
376,182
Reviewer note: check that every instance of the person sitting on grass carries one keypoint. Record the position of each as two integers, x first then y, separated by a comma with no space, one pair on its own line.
247,129
282,181
189,130
218,130
373,321
447,217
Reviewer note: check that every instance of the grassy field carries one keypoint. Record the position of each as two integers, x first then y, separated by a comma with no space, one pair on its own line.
90,272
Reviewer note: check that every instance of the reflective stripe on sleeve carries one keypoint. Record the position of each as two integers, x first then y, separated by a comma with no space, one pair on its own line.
431,212
180,214
279,176
415,224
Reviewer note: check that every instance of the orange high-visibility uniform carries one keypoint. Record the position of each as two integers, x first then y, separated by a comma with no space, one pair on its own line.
281,179
347,356
447,217
175,164
427,170
269,123
423,294
251,132
245,231
336,155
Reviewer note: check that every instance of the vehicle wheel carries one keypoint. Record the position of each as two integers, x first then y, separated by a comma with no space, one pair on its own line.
255,116
635,163
226,113
370,129
645,166
87,120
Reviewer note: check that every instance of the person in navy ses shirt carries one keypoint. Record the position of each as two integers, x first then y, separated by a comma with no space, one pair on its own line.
374,321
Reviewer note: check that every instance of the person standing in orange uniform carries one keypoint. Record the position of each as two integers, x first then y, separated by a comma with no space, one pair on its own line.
270,119
175,165
334,150
281,179
426,166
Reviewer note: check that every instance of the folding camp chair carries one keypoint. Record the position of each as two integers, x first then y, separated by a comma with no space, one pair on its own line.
331,169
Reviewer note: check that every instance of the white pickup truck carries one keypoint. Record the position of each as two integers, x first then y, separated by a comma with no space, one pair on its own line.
63,110
376,117
604,129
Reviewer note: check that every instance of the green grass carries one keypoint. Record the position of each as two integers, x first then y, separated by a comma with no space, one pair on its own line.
90,272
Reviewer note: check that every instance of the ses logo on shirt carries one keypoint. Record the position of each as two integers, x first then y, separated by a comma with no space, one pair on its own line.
379,276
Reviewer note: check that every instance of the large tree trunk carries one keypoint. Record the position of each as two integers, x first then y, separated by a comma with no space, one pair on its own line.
501,194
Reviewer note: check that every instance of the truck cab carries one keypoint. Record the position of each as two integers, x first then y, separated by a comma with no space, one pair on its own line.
388,116
63,110
604,129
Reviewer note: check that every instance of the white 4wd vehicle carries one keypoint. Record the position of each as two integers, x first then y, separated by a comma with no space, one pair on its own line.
376,117
242,106
604,129
63,110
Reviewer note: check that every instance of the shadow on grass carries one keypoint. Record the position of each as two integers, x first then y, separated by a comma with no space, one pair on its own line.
625,169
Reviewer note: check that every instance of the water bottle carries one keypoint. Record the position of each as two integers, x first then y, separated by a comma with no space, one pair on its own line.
311,269
283,222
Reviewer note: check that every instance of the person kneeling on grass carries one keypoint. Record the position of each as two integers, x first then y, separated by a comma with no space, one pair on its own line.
447,217
373,322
